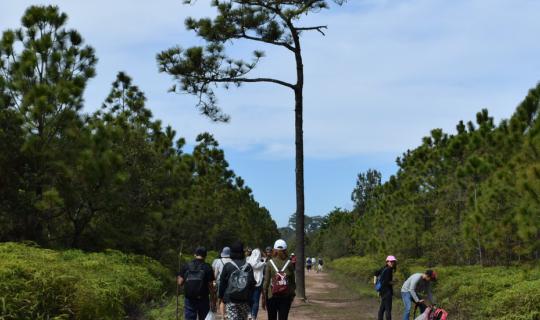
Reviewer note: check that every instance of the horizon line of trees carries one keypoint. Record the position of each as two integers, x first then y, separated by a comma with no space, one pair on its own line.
115,178
467,198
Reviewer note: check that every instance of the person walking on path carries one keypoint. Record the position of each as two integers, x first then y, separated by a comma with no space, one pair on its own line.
219,263
293,259
197,278
418,282
279,284
237,283
308,264
257,263
320,265
384,277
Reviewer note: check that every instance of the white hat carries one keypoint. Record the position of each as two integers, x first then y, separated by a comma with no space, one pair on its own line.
280,245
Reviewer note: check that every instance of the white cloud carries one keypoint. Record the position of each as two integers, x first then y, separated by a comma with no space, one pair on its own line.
386,73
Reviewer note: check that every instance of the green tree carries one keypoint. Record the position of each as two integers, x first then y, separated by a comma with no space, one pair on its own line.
44,68
197,69
364,192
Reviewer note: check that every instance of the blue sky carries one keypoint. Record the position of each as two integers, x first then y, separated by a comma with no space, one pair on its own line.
387,72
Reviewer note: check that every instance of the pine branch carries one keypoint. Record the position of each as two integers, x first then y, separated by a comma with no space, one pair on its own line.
250,80
276,43
317,28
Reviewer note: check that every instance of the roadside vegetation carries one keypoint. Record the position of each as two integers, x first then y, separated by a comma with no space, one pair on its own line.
466,292
40,283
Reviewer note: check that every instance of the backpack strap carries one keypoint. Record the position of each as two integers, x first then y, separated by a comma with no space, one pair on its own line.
285,266
235,265
239,268
274,265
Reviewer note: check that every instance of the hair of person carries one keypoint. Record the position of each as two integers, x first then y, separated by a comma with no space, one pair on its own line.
282,254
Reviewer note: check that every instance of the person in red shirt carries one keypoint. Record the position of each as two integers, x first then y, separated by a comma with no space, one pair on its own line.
293,259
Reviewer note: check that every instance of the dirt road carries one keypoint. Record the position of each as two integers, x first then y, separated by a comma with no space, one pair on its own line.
327,300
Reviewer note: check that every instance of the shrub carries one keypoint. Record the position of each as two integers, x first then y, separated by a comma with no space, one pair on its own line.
45,284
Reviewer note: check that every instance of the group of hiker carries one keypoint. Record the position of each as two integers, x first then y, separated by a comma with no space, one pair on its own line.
240,281
237,281
312,262
410,290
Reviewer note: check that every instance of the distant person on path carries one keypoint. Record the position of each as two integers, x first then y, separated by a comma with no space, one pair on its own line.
237,283
418,282
384,277
293,259
257,263
197,278
279,283
308,264
219,263
320,265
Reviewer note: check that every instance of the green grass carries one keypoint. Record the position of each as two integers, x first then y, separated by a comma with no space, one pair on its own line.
46,284
466,292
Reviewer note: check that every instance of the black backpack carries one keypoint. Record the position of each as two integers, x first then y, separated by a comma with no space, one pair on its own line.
238,287
195,281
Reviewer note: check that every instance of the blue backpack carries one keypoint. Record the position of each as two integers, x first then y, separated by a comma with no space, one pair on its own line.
378,284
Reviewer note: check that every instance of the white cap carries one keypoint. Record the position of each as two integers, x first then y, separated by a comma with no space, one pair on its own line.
280,245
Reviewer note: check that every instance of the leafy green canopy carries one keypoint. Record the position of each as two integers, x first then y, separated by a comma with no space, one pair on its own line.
199,69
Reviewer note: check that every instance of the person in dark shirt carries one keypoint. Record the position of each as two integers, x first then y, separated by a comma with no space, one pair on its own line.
231,308
386,276
198,303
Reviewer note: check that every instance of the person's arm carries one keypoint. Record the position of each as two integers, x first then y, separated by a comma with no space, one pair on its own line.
412,288
266,284
292,280
180,276
375,275
223,280
211,287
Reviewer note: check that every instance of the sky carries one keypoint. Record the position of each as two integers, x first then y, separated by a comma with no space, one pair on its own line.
386,73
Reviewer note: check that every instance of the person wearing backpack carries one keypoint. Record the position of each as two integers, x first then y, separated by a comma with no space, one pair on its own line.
414,284
320,265
236,285
197,278
384,285
279,284
219,263
308,264
257,263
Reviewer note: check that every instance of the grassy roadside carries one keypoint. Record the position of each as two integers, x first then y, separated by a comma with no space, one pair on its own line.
40,283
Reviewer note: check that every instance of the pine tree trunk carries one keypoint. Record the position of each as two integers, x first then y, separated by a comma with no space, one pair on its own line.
299,142
300,252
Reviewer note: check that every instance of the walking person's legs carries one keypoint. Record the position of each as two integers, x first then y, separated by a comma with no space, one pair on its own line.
388,305
382,306
284,306
190,309
237,311
255,298
203,307
271,309
407,302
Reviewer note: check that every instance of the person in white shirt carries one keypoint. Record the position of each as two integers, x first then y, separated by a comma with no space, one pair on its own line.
219,263
257,263
409,291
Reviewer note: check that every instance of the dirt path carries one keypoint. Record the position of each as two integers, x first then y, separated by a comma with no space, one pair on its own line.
327,300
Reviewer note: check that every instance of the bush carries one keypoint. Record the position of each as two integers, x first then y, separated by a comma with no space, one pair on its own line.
45,284
470,292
